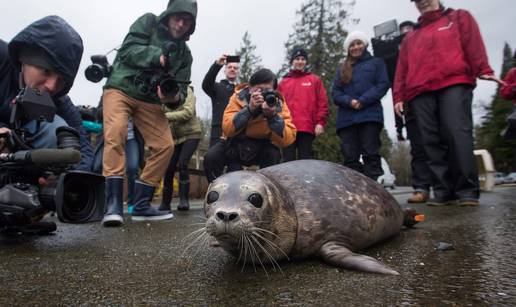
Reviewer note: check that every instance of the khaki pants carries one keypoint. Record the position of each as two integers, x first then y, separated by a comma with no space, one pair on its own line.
151,123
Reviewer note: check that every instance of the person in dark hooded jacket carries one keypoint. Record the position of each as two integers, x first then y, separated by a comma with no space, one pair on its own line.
130,93
44,56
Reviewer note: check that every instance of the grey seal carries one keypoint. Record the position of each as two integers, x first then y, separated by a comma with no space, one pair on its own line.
302,209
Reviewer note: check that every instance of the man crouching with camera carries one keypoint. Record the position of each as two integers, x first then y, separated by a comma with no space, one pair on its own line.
256,122
152,68
42,59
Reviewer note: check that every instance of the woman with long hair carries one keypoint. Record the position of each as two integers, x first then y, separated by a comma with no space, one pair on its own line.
359,85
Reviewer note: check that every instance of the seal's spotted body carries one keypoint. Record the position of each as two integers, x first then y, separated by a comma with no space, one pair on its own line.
307,208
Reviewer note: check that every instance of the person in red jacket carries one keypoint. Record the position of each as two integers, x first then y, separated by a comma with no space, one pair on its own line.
508,90
436,73
308,104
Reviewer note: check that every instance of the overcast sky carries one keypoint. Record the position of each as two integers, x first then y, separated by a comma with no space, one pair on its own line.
221,24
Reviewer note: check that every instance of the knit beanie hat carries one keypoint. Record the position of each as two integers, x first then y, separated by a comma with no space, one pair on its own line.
298,52
353,36
36,56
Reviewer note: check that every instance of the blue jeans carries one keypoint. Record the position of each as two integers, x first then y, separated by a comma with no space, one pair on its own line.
45,136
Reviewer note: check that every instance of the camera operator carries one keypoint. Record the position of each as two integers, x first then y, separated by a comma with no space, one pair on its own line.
45,56
154,50
256,122
220,92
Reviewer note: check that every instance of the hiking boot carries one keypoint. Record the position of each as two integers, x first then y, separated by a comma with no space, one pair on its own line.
418,197
472,202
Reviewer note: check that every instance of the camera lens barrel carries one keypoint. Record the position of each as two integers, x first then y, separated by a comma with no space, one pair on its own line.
95,73
270,98
168,86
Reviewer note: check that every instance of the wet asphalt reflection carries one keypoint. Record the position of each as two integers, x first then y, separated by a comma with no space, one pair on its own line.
145,264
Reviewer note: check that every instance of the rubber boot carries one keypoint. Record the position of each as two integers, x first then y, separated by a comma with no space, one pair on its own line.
142,210
166,199
113,217
184,189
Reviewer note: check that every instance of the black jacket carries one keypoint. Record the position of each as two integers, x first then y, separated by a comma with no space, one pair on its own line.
219,92
64,46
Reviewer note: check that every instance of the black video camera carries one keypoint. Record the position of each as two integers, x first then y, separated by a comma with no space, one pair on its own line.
34,182
386,45
167,82
99,69
270,97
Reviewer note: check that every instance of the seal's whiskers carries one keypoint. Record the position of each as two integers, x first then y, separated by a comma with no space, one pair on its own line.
256,255
269,242
268,255
199,236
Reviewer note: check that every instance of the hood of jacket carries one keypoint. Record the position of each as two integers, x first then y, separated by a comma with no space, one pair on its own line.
60,42
180,6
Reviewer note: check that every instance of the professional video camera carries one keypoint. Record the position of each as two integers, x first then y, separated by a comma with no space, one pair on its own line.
270,97
386,45
34,182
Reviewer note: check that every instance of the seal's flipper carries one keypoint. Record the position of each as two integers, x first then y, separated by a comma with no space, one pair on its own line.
341,256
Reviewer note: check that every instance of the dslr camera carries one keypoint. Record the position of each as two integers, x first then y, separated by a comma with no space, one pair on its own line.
167,82
99,69
271,97
34,182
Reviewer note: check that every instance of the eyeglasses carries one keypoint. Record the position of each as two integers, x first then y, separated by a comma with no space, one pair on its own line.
183,16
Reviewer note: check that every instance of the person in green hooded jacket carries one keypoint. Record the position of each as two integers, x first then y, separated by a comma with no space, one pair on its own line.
130,92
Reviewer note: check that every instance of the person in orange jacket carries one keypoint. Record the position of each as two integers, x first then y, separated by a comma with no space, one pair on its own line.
256,123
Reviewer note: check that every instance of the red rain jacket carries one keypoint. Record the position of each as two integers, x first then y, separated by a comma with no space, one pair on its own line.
509,92
306,99
446,49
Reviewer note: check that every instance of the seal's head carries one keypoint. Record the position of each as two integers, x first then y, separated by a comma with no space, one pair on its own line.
251,217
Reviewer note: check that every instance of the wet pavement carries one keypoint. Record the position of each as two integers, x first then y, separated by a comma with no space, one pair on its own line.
145,264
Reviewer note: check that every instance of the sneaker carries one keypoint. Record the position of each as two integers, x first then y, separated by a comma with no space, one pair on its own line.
441,201
130,208
418,197
468,202
150,214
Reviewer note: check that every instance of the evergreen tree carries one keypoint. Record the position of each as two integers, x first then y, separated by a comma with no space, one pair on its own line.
320,30
249,61
488,134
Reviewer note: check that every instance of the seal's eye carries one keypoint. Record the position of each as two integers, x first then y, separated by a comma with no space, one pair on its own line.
256,200
212,197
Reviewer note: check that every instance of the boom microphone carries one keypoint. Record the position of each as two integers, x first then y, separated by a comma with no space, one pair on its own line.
43,157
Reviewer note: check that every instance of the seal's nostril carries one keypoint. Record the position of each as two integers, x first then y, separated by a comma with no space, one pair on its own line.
221,216
227,217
